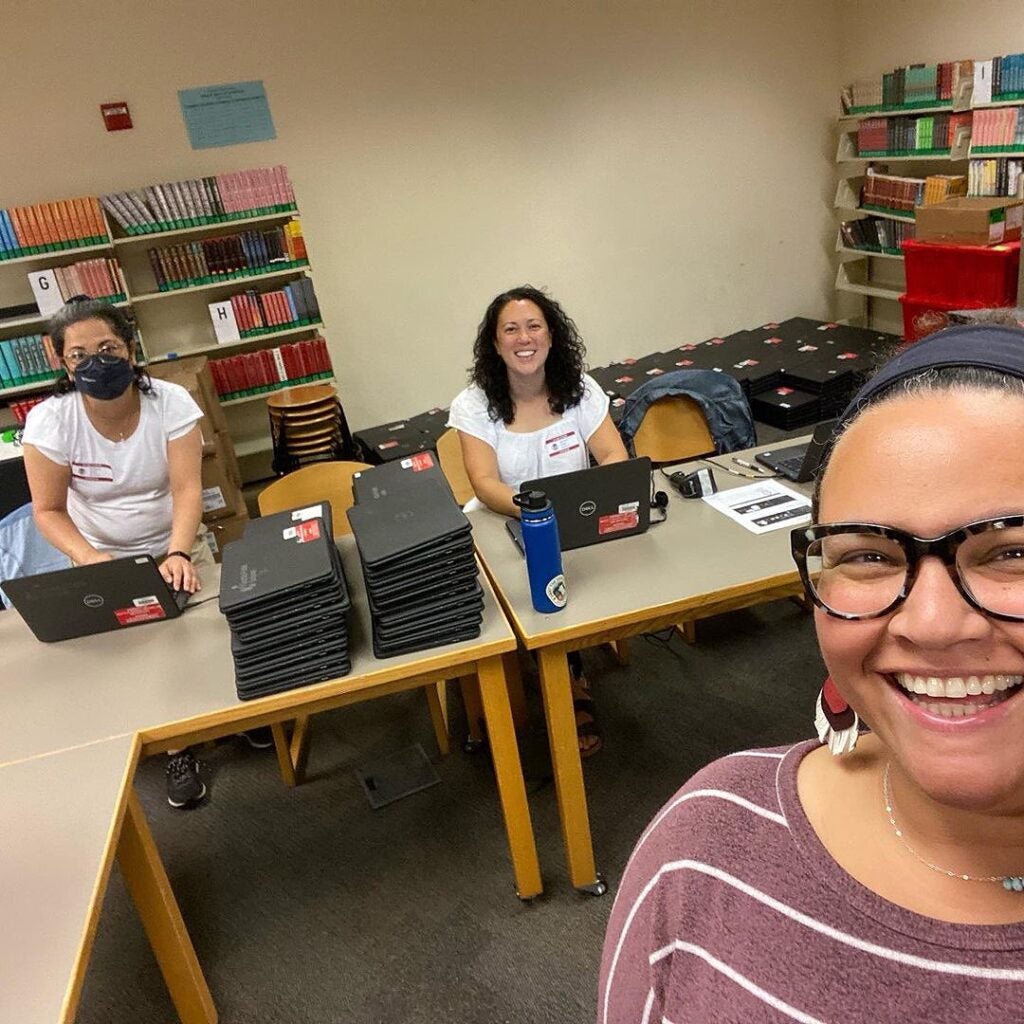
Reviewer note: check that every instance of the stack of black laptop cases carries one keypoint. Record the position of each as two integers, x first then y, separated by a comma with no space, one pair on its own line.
416,549
284,595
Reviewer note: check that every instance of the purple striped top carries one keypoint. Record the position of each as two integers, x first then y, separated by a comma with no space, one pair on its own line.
731,909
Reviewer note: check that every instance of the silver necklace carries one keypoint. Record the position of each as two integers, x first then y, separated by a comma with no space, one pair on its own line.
1012,883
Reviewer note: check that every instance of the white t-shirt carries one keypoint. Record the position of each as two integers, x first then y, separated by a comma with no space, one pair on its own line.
119,495
558,448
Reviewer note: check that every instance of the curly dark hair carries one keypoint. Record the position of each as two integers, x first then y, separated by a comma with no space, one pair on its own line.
78,309
563,369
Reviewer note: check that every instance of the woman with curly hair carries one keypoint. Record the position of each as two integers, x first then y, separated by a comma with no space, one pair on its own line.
529,412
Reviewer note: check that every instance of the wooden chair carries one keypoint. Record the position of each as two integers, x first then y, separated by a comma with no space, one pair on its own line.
322,481
673,429
330,482
449,454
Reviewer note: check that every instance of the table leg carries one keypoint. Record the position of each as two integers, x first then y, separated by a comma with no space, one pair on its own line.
556,689
150,888
508,772
470,690
437,703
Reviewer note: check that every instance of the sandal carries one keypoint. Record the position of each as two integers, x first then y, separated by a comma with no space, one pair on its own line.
587,727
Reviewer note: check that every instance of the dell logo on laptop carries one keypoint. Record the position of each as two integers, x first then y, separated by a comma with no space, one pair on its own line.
92,601
588,508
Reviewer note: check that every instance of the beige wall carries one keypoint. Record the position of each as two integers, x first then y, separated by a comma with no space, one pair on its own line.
664,168
878,35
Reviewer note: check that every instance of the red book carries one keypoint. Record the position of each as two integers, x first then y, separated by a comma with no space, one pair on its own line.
291,361
240,309
325,355
236,379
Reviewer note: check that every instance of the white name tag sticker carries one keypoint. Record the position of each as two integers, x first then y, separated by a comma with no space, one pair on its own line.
141,602
312,512
92,471
558,444
629,506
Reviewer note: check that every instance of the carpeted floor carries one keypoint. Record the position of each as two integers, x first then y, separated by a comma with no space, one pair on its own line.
307,906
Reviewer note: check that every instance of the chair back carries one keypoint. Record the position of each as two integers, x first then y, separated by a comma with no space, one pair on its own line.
23,549
322,481
449,454
674,428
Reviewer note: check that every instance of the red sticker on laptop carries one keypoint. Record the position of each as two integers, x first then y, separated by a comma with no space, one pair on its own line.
618,521
144,613
418,463
307,531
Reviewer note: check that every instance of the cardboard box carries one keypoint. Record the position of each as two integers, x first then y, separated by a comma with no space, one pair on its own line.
224,531
970,220
193,374
222,497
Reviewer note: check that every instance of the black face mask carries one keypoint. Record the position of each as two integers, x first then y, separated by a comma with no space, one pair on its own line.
104,377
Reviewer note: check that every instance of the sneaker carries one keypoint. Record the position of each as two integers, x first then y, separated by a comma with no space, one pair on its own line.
259,739
184,786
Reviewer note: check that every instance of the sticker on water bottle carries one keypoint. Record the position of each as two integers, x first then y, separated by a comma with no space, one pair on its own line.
556,591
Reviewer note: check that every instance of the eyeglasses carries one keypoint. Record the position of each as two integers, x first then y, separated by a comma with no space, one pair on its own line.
108,348
864,571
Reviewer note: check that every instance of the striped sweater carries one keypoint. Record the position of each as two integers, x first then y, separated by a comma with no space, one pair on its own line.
731,910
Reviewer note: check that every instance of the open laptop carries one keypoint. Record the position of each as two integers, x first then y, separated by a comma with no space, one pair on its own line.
94,598
799,462
597,504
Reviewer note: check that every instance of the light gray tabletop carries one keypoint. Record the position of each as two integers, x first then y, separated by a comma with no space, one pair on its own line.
694,558
56,844
55,696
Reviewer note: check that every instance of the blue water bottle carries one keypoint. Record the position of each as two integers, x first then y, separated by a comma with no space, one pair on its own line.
543,552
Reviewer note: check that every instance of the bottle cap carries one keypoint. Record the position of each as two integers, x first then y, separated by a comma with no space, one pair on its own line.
531,501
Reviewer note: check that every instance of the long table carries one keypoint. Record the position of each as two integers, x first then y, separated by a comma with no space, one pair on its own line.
78,715
695,564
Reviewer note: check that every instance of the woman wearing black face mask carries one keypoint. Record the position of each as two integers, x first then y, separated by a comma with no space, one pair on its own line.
113,459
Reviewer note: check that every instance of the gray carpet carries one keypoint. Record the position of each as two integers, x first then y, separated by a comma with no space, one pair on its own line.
307,906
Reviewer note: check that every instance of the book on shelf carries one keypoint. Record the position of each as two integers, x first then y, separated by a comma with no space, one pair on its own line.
902,194
21,407
998,128
874,234
29,359
262,312
923,134
916,85
51,227
1008,77
210,260
195,202
253,373
994,177
99,278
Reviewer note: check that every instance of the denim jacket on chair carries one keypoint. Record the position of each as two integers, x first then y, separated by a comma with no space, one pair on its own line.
719,395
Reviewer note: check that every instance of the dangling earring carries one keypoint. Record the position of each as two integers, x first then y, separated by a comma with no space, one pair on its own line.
837,723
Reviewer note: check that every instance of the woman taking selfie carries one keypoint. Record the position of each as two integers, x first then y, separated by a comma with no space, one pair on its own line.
875,876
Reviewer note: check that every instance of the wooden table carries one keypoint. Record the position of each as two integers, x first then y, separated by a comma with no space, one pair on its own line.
77,715
697,563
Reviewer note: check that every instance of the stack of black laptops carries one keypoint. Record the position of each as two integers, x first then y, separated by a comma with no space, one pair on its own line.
416,549
284,594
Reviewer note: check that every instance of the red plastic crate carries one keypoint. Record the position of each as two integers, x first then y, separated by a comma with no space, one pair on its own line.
922,317
969,276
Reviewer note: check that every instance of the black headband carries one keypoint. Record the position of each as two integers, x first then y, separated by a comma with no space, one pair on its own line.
987,346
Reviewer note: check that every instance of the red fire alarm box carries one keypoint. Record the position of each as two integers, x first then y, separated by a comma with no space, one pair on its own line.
116,116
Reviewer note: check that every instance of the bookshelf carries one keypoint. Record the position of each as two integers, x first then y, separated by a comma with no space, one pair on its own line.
169,298
917,139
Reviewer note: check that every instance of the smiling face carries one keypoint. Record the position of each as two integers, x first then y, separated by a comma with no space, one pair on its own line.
523,340
928,463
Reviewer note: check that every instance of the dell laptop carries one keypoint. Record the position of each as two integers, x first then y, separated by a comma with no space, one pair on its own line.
94,598
597,504
799,462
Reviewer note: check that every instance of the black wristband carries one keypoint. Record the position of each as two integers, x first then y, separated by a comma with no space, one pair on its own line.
180,554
